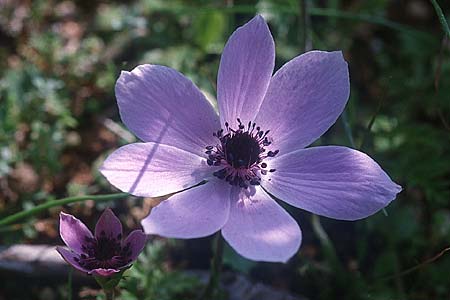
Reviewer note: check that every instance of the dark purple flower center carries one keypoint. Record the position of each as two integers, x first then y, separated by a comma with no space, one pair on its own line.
241,152
106,252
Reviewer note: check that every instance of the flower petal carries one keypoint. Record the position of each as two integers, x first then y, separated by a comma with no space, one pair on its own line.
244,73
336,182
305,97
71,258
151,170
194,213
259,229
104,272
161,105
73,232
109,225
136,242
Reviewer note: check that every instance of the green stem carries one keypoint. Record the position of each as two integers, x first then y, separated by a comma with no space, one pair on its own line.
313,11
364,17
109,294
109,283
304,29
216,267
347,128
69,284
52,203
441,16
369,126
329,250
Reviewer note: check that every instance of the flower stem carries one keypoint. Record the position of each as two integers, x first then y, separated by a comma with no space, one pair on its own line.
216,267
441,17
69,284
327,244
305,41
52,203
109,294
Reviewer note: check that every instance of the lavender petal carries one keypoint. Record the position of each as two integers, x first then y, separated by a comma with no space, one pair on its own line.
134,244
71,258
108,225
259,229
73,232
151,170
305,97
194,213
244,73
161,105
336,182
104,272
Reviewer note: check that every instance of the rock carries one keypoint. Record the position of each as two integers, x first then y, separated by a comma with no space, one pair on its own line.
239,287
43,262
36,261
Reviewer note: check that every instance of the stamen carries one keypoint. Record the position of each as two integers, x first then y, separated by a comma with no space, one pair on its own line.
105,252
241,152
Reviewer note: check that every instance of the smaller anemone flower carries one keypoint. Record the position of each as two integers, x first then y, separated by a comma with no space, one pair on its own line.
103,254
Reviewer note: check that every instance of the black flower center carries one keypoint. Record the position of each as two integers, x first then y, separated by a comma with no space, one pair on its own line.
241,152
106,252
106,248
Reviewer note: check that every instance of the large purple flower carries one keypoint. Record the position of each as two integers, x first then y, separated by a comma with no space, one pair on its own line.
104,253
253,148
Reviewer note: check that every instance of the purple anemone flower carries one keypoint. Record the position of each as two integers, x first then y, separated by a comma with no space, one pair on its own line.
253,149
104,253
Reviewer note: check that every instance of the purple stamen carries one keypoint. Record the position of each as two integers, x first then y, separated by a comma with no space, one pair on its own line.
241,152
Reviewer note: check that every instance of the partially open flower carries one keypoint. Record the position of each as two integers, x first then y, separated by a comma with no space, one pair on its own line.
104,253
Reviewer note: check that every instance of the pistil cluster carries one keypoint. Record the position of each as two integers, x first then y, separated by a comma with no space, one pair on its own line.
241,152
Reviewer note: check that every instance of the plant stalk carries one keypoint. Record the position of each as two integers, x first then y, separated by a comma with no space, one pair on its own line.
69,284
441,17
305,39
109,294
216,268
52,203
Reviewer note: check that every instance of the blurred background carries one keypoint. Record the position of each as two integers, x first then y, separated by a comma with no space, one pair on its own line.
59,61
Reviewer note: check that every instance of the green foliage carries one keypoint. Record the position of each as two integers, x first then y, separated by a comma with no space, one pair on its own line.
36,106
59,61
149,278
